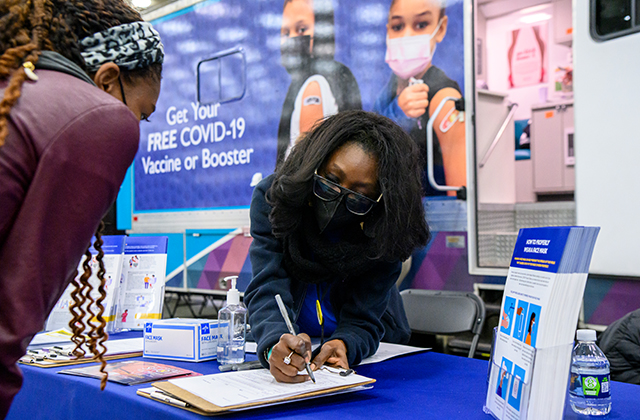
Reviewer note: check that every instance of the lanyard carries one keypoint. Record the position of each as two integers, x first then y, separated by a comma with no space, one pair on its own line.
319,299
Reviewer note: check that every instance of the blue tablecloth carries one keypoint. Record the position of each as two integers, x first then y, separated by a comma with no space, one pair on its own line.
420,386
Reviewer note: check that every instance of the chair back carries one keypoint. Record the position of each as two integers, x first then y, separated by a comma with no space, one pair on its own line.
444,312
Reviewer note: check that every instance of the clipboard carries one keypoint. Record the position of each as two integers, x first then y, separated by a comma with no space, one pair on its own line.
203,407
116,349
51,363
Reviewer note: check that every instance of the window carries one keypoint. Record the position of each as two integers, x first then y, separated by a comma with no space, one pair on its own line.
614,18
222,78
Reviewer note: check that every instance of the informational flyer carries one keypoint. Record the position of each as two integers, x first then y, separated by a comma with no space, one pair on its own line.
142,281
524,325
132,372
112,247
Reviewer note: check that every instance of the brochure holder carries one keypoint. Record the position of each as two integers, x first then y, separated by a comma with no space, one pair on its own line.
512,396
538,316
509,395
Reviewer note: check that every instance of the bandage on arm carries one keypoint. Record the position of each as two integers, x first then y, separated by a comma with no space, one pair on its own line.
311,110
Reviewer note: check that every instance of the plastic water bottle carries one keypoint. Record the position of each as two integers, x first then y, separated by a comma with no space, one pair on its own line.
232,325
589,391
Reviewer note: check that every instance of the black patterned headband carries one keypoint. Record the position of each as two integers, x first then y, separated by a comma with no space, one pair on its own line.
131,46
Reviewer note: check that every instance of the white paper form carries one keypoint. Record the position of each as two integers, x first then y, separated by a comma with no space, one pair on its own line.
388,351
236,388
50,338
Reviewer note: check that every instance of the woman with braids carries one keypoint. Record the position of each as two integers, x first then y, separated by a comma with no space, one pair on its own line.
76,77
330,229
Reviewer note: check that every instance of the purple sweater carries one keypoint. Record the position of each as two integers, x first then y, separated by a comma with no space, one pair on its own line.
66,154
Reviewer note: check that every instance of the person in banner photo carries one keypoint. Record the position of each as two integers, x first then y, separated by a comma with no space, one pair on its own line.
76,78
330,229
416,88
320,86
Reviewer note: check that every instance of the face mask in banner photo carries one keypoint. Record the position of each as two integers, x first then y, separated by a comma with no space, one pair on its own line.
409,55
296,53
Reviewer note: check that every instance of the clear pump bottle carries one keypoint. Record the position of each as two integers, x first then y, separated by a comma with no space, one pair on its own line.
232,325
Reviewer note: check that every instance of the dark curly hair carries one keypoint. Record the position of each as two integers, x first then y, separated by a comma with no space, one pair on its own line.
28,27
398,223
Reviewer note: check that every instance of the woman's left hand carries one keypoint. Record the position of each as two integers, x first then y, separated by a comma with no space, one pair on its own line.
333,353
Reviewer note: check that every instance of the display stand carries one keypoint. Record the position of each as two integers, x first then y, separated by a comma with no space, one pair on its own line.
531,353
512,396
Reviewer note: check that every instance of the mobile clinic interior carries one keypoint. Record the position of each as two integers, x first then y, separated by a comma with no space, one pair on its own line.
547,112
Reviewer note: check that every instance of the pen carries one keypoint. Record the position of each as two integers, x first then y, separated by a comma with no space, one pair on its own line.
162,397
249,365
287,321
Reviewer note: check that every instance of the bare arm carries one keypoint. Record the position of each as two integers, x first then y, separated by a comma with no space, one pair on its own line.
451,136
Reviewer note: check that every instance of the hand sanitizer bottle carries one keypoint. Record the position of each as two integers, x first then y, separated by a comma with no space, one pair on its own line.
232,324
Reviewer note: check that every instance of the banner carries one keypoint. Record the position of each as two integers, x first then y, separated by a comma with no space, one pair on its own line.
264,79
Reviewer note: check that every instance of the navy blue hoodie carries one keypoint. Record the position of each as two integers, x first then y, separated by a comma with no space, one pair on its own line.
367,307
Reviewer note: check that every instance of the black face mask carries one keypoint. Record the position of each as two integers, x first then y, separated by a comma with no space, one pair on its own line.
333,215
295,53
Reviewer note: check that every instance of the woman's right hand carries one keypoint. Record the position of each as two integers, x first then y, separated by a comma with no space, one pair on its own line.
298,349
413,100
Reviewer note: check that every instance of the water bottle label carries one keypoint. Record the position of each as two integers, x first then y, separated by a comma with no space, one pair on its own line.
589,386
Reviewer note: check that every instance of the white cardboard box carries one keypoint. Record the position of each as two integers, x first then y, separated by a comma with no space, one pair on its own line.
192,340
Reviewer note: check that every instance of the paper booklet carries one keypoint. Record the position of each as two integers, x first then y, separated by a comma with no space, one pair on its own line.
543,293
141,293
134,283
221,392
131,372
112,247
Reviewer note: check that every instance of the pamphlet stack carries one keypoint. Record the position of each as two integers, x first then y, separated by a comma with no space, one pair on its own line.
538,318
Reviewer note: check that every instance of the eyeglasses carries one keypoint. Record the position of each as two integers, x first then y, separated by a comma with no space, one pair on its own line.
356,203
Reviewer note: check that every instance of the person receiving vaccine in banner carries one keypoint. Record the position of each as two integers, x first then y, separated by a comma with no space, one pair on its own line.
320,86
417,87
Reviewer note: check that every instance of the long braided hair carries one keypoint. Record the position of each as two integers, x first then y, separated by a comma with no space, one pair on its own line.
28,27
